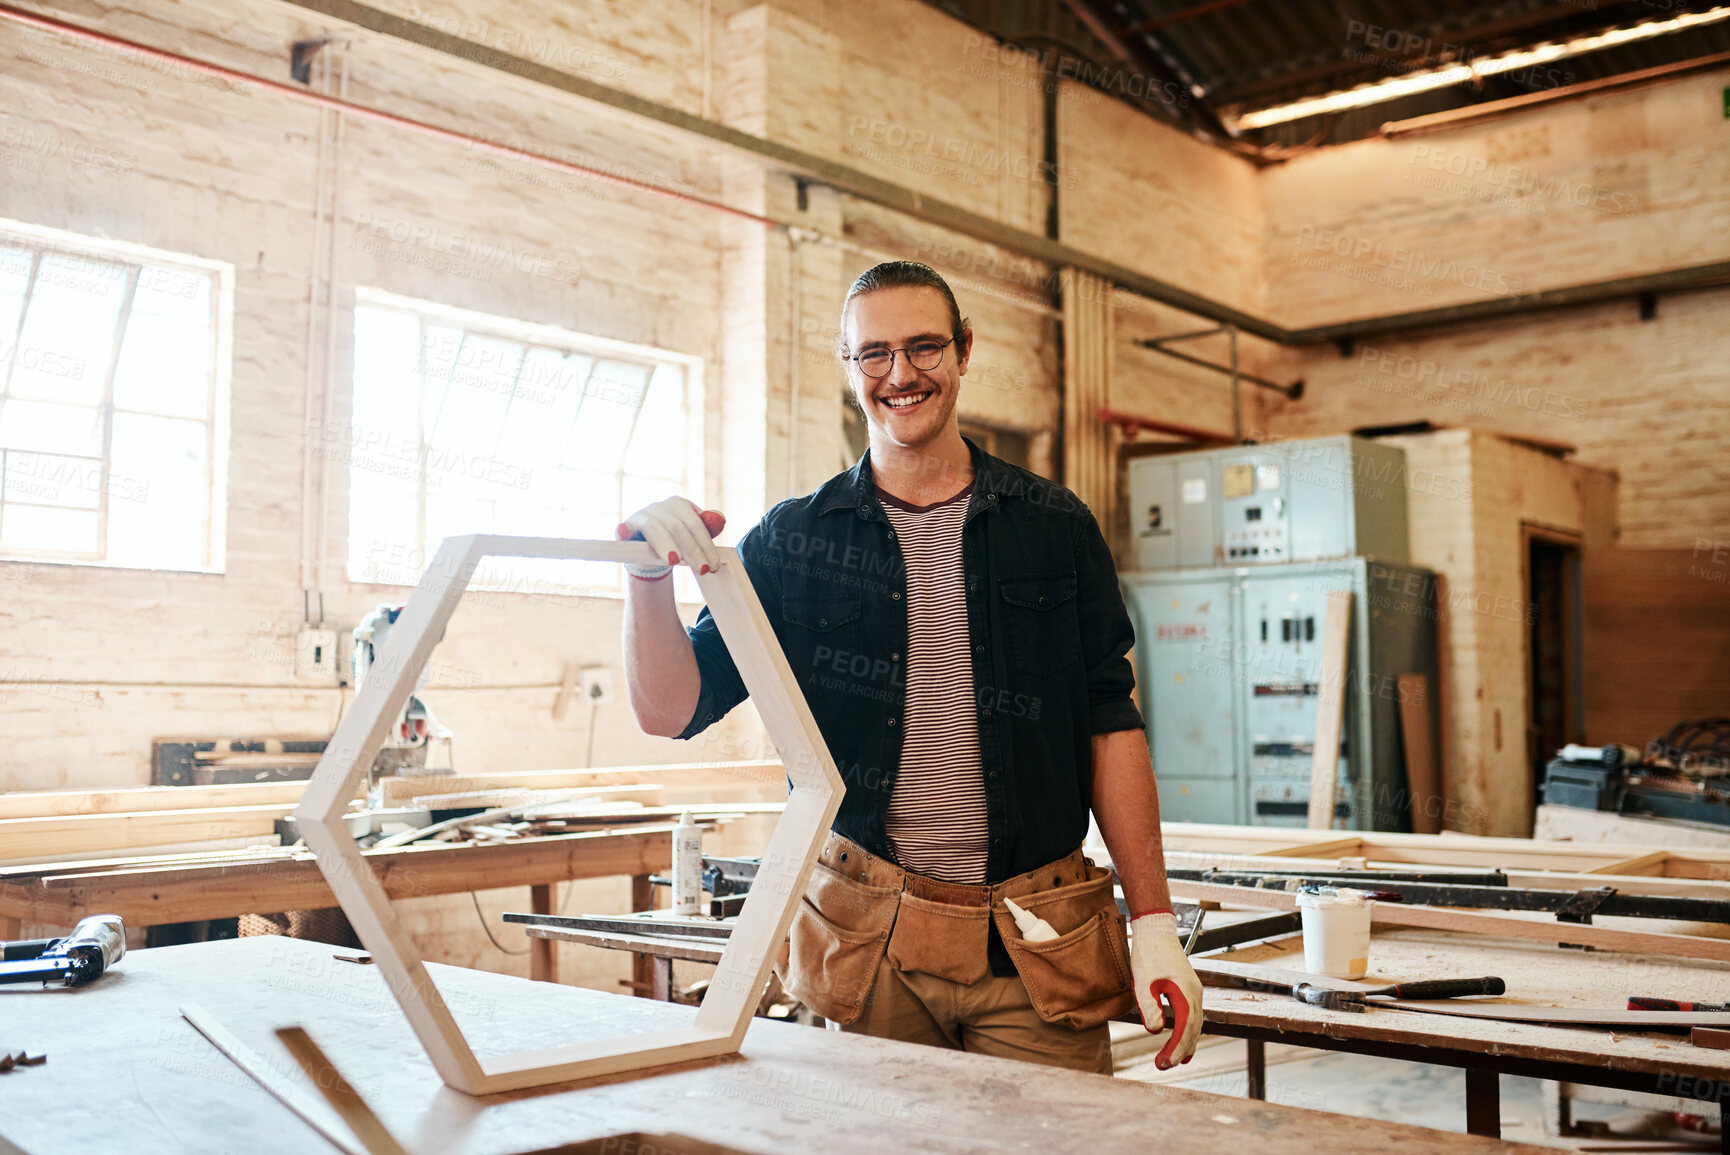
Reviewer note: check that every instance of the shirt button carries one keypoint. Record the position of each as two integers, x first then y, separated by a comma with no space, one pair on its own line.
894,657
979,647
991,497
988,713
896,595
997,842
822,621
995,774
891,720
1041,601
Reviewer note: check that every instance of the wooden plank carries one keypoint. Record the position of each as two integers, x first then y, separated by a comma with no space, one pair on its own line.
266,1076
1417,740
1505,926
1330,709
94,833
342,1097
185,893
1649,863
397,792
66,803
522,796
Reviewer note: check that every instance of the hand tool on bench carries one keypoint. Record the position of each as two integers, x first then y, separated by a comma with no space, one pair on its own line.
1424,989
95,944
1641,1003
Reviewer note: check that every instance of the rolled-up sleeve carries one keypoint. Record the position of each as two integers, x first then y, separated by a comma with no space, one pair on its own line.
722,686
1106,633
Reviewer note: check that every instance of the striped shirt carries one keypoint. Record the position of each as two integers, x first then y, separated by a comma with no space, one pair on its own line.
936,822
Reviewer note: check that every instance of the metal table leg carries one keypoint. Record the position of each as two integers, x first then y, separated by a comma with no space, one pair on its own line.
1483,1102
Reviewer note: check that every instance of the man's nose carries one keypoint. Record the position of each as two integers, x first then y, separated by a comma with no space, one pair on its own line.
902,373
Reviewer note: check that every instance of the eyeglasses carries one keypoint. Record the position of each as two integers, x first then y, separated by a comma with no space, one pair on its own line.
920,355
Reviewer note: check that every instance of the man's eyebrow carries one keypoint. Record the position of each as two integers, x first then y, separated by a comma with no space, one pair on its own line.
915,339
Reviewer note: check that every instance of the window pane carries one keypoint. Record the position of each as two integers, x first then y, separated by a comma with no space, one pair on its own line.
383,526
68,334
44,428
44,479
544,408
658,442
159,491
14,277
604,419
162,367
471,411
65,531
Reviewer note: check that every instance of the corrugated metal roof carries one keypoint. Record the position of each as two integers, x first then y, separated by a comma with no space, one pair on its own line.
1251,54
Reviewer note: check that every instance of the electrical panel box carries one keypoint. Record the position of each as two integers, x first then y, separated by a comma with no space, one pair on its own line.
1329,497
1229,664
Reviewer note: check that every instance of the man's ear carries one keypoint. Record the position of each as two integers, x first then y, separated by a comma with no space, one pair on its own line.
964,349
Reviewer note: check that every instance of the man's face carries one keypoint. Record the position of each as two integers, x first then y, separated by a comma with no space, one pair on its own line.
910,407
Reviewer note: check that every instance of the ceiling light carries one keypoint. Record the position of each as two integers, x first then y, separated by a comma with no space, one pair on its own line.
1451,74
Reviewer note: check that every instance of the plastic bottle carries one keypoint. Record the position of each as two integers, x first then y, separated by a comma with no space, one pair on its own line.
1032,927
687,866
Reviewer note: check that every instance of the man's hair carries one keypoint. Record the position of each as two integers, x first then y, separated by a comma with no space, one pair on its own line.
909,275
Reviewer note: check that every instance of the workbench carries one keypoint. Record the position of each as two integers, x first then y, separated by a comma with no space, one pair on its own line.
126,1073
268,880
1536,974
1664,1064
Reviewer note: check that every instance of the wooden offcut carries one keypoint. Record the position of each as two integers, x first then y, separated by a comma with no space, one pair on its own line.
1418,742
1330,709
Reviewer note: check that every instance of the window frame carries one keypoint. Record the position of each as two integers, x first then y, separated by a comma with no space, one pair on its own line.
498,327
43,241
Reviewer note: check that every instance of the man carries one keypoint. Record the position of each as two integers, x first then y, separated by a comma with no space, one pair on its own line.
957,629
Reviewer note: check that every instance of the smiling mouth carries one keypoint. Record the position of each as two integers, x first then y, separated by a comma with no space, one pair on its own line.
906,400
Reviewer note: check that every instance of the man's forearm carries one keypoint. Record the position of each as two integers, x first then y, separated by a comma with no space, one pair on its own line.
660,667
1126,806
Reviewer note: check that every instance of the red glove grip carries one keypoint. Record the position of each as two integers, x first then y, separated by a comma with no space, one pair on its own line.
1179,1004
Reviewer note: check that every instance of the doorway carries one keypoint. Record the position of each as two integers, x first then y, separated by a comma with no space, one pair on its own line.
1556,706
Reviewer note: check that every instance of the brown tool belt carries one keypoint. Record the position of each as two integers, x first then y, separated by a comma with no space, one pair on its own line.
859,908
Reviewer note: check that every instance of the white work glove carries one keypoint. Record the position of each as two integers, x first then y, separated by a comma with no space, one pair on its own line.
677,530
1159,969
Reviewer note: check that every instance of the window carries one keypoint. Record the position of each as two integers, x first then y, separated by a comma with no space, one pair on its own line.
465,423
113,402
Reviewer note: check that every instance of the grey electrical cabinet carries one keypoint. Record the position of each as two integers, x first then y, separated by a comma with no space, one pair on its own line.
1236,551
1330,497
1229,664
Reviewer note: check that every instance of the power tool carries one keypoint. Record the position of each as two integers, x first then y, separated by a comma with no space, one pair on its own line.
95,944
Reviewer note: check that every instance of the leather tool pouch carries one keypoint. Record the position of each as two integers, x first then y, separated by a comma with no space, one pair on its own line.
836,941
941,939
1081,978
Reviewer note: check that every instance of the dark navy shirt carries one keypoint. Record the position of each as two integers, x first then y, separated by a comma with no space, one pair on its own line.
1046,624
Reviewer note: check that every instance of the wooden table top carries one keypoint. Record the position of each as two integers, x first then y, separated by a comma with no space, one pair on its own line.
1536,975
126,1073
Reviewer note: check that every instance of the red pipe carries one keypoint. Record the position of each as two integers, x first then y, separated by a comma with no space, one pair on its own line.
19,16
1131,424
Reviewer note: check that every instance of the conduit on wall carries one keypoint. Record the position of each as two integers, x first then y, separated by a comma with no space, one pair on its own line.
1088,330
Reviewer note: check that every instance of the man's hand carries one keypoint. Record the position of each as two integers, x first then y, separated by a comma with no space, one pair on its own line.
677,530
1160,969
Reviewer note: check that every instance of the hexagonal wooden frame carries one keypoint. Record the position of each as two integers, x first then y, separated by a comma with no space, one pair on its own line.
779,886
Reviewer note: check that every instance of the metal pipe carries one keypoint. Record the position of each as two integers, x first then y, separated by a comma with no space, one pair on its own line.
1131,424
305,96
1236,391
1292,391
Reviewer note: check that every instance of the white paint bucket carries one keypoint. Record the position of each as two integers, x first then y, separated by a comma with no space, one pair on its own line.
1336,933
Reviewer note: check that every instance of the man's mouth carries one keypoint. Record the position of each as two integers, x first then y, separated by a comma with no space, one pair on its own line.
906,400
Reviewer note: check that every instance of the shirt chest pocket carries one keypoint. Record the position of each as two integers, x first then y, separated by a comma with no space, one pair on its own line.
1040,621
823,639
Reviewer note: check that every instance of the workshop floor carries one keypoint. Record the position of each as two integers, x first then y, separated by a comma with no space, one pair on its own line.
1417,1093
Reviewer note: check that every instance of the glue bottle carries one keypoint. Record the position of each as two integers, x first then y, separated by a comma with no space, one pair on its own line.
1032,927
687,866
